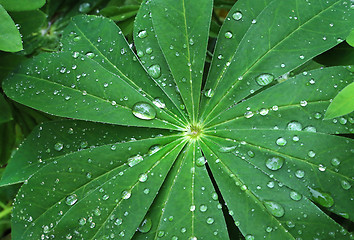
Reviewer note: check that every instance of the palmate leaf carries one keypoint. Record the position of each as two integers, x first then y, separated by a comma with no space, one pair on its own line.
266,152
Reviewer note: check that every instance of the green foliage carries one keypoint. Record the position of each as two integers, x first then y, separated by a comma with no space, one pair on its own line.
342,104
157,144
22,5
10,40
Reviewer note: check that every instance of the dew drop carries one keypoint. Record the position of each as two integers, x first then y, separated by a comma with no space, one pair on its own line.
58,146
159,103
134,160
143,177
249,237
275,208
345,185
295,196
299,173
227,149
322,198
335,162
209,93
275,163
142,34
281,142
155,71
145,225
264,79
203,208
228,35
237,16
310,129
126,194
294,126
249,114
210,220
144,111
90,55
84,7
82,221
303,103
311,154
200,161
71,199
264,111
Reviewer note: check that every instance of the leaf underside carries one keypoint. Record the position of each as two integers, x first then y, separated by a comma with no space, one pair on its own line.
149,154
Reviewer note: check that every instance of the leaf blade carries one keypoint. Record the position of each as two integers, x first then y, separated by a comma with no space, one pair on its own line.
342,104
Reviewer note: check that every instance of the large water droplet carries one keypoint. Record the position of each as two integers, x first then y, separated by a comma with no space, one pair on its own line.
237,15
249,237
144,111
82,221
126,194
58,146
274,208
134,160
299,173
210,220
143,177
294,126
145,225
228,35
200,161
345,184
310,129
275,163
335,162
155,71
71,199
322,198
295,196
209,93
264,79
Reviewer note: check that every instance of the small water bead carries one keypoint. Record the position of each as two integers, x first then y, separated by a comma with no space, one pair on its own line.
310,129
144,111
148,50
58,146
227,149
296,138
249,237
159,103
335,162
318,115
90,55
303,103
82,221
134,160
126,194
210,220
237,16
71,199
84,7
155,71
269,229
228,35
281,142
250,154
77,38
275,163
343,120
146,191
200,161
322,198
345,185
249,114
214,196
270,184
311,154
153,149
203,208
264,79
294,126
299,173
295,196
143,177
274,208
161,234
209,93
290,224
264,111
142,34
140,53
321,168
118,221
145,225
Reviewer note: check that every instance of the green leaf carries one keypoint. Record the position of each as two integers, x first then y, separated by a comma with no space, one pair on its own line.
192,21
22,5
309,33
350,38
8,63
5,110
120,13
241,156
341,55
33,25
10,40
342,104
71,137
114,198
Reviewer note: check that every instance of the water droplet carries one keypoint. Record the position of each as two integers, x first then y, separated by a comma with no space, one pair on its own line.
264,79
145,225
155,71
77,38
71,199
345,184
281,142
84,7
303,103
270,184
296,138
118,221
142,34
295,196
249,114
76,54
318,115
299,173
159,103
161,234
228,35
58,146
294,126
134,160
249,237
148,50
310,129
203,208
274,208
210,220
200,161
126,194
82,221
250,154
237,15
153,149
90,55
227,149
214,196
144,111
322,198
143,177
311,154
290,224
275,163
209,93
335,162
264,111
